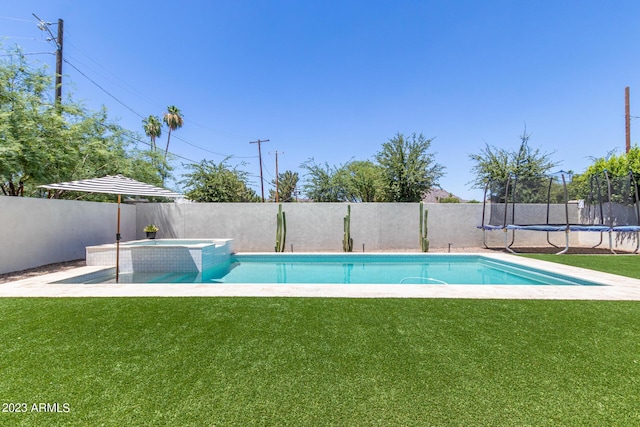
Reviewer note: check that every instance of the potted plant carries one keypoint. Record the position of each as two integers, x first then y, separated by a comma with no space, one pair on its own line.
151,231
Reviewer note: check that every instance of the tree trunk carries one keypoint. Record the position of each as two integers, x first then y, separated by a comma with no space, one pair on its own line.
10,189
167,149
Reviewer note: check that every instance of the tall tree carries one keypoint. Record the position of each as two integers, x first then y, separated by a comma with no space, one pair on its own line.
153,129
322,183
41,143
24,124
287,185
174,120
496,164
363,181
211,182
617,167
410,169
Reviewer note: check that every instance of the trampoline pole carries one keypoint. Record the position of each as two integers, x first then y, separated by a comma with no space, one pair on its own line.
566,248
507,246
599,242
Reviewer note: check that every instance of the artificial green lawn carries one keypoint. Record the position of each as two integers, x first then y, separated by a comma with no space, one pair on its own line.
624,265
315,361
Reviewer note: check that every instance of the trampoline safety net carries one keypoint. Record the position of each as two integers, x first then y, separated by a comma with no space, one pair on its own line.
538,200
597,203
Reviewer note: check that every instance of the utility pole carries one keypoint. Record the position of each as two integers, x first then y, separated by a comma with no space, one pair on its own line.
627,119
59,62
260,158
44,26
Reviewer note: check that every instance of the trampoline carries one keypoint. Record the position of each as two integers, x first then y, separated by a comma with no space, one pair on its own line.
542,204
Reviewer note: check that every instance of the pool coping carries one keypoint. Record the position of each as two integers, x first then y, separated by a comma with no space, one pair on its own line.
616,287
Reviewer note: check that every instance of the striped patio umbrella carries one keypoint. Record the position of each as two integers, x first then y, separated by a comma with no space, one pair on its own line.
113,184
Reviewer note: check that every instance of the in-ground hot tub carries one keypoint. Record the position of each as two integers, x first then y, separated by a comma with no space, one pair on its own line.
163,255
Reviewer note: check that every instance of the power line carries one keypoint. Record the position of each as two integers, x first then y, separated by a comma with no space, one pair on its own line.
227,134
44,26
129,88
151,101
173,154
31,53
142,117
133,91
9,18
212,152
268,171
25,38
104,90
182,157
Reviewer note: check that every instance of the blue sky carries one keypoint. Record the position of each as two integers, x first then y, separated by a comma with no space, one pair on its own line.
334,80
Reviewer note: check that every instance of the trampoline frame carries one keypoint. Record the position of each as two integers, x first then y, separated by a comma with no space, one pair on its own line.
510,198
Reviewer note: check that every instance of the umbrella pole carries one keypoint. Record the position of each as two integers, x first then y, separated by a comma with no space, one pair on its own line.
118,244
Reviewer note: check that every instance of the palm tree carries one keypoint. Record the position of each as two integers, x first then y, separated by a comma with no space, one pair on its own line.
173,119
153,129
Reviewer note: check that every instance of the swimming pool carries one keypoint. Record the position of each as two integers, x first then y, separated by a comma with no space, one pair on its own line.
391,269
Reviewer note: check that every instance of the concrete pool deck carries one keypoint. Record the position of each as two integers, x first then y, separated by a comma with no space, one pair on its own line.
616,287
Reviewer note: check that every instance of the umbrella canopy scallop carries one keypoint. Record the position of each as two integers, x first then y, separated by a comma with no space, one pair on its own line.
113,184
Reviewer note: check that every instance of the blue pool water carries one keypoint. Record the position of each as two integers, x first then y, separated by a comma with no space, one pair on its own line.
423,269
386,269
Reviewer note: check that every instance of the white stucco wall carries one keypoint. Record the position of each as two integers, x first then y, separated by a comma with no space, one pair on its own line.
37,232
316,226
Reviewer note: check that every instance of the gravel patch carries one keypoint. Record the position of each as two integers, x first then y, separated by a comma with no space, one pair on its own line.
38,271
